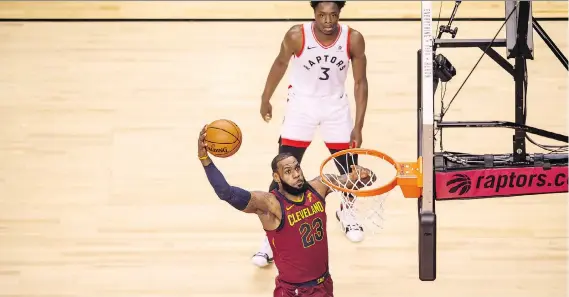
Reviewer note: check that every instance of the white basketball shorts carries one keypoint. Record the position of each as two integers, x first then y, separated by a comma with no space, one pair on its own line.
304,115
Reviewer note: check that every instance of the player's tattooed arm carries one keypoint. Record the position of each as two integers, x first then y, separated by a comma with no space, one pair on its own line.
262,202
241,199
357,178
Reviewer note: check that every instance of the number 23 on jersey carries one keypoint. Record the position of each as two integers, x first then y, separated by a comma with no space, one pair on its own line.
311,232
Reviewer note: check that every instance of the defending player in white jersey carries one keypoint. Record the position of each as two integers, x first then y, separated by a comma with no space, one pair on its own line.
319,54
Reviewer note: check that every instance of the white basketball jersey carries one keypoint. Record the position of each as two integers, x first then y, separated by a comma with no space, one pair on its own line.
320,70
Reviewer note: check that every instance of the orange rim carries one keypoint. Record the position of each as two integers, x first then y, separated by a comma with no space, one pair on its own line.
363,193
409,176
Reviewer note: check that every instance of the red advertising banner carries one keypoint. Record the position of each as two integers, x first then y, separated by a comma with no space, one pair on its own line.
493,182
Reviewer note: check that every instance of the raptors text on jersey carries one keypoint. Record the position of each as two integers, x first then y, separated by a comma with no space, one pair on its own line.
320,70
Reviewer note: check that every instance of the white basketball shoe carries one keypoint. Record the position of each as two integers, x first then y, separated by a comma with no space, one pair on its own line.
352,228
264,256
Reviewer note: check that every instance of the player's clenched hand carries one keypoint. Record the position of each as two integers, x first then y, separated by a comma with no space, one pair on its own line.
361,174
266,111
202,145
356,138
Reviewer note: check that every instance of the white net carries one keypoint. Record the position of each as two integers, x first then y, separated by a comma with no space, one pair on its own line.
372,172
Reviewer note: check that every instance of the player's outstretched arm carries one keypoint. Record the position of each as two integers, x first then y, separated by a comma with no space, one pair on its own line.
357,178
291,44
243,200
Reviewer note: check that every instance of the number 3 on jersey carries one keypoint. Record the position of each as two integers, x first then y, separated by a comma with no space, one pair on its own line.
311,233
325,73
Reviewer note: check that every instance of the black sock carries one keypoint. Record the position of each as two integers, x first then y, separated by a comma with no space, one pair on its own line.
344,161
343,164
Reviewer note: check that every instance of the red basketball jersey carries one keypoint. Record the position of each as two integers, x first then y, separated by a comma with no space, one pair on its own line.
300,244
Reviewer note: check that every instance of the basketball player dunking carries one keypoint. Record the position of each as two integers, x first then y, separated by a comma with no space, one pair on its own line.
321,52
294,219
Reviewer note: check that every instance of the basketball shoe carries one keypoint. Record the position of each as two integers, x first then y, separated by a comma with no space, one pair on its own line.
264,256
350,225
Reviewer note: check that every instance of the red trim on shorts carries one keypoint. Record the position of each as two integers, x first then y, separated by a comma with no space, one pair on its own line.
295,143
303,42
338,146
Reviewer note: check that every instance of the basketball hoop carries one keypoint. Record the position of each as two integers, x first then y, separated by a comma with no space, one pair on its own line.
364,197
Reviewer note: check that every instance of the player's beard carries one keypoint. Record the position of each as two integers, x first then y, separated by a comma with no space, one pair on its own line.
293,190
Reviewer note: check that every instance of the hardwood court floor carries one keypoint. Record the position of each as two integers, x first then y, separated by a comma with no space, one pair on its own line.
101,193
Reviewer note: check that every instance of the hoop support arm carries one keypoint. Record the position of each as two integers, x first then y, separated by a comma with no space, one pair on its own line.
410,178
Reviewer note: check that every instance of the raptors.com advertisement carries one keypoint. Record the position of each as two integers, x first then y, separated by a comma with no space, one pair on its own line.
481,183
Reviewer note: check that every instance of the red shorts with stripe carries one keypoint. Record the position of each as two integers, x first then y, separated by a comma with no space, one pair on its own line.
325,289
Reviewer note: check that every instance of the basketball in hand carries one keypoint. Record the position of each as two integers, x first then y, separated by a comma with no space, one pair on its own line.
223,138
